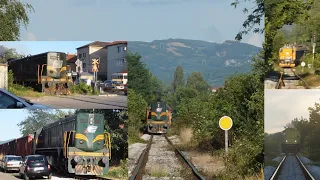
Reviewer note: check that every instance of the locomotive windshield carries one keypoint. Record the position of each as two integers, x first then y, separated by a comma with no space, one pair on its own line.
89,131
57,63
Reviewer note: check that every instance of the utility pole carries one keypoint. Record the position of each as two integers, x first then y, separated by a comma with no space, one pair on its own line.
313,46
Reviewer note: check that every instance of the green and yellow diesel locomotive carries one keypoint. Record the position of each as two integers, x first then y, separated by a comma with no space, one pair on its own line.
291,141
77,144
46,71
158,117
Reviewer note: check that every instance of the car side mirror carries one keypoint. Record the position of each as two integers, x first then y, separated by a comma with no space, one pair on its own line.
19,105
20,163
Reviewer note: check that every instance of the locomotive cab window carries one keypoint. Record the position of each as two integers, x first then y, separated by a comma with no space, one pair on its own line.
57,64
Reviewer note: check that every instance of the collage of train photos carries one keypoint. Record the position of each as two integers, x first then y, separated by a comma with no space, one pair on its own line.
159,89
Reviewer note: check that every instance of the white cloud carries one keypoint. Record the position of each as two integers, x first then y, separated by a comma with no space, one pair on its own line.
255,40
282,106
31,37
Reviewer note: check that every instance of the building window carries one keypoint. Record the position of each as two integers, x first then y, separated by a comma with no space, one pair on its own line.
120,49
84,54
80,55
125,48
84,66
120,62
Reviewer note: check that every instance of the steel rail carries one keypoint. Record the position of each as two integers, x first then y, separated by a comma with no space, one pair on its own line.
305,83
194,170
276,172
307,174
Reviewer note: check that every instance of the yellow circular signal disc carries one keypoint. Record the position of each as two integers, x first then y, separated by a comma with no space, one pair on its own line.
225,123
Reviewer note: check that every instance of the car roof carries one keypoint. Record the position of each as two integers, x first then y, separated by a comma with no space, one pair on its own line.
36,155
24,101
15,97
11,156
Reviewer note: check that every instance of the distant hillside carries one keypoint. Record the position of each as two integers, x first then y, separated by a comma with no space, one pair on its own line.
215,61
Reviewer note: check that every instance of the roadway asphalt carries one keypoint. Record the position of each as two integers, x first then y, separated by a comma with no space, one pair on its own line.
82,101
9,176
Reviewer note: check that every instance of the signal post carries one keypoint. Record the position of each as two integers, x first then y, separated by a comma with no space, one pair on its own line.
225,124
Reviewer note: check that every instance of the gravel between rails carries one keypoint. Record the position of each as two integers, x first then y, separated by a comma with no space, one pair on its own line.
162,161
268,172
291,170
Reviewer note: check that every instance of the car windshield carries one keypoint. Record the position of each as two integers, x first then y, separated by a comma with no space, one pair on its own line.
14,158
107,82
36,159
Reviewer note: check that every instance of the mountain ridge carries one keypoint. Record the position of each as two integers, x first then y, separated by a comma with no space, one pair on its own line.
214,60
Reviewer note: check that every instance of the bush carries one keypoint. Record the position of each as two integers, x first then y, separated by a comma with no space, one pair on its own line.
81,88
242,159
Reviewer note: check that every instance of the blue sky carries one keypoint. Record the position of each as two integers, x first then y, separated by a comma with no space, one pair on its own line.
136,20
9,120
37,47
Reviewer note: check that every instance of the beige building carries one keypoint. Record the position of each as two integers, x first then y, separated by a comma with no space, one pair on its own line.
4,76
112,57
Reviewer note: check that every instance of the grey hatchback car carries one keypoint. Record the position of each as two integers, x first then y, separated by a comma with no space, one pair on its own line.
11,101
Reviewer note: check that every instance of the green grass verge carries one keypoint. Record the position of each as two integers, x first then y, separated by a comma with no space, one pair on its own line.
118,172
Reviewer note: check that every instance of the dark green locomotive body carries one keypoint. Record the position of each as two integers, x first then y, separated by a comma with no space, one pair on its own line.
46,70
291,141
77,144
158,117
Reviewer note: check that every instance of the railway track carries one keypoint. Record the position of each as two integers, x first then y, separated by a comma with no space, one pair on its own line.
291,168
162,159
289,79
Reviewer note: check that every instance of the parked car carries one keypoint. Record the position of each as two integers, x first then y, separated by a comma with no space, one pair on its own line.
85,81
35,166
11,101
11,163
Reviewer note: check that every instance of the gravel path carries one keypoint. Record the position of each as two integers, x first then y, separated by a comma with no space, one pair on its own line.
291,170
270,83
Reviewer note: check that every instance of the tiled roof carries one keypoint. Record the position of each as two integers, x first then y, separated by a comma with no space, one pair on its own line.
71,58
103,44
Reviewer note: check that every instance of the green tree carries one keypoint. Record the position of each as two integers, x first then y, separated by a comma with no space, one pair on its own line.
13,14
7,53
140,79
196,81
178,79
39,118
136,113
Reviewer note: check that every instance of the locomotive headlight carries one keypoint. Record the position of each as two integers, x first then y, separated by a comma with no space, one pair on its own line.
77,159
81,142
286,141
105,160
295,141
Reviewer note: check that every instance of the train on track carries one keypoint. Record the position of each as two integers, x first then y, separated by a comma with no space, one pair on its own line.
158,117
46,72
290,55
76,144
291,141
